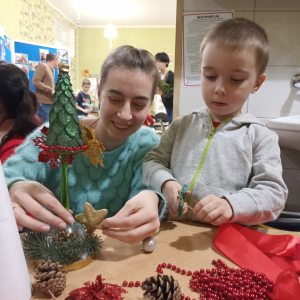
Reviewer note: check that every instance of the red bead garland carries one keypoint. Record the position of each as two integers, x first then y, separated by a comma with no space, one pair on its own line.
222,282
58,147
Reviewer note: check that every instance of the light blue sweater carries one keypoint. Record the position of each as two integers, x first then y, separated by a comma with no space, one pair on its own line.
109,187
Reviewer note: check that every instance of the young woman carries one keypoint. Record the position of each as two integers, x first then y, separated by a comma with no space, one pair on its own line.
129,78
18,106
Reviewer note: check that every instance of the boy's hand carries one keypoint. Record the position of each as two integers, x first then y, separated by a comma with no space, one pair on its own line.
170,190
86,111
214,210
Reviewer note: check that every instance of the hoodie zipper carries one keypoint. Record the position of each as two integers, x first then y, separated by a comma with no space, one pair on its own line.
211,135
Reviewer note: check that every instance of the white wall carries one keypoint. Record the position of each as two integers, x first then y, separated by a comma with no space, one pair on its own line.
281,20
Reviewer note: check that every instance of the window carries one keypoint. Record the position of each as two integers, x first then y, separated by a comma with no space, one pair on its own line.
64,36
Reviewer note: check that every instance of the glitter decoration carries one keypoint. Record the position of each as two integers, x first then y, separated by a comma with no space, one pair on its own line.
91,218
68,93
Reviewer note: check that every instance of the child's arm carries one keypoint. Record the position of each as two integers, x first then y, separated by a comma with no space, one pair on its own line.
156,169
265,197
79,99
86,111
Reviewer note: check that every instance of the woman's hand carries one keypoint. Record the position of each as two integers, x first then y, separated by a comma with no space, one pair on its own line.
170,190
137,220
29,196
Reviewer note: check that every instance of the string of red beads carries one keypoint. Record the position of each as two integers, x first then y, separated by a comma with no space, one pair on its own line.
221,282
52,148
131,283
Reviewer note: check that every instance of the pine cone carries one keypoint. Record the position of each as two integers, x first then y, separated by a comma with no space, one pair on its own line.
50,277
161,287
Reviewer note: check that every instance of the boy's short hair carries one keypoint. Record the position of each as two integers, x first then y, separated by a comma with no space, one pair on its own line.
86,82
50,56
163,57
241,34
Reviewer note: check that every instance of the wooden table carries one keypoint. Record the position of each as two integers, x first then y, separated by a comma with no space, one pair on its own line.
188,245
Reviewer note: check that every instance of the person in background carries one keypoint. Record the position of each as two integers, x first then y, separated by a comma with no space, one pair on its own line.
83,100
230,162
18,106
43,80
128,83
162,62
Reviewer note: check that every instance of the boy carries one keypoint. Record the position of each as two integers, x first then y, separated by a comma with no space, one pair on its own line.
230,162
83,101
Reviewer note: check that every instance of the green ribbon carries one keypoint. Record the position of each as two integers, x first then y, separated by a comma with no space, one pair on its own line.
182,196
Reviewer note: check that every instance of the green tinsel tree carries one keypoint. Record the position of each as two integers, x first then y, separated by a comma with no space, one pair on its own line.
64,130
64,127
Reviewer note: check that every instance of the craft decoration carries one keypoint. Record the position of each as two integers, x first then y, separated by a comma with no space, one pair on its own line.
161,288
97,291
273,255
181,201
66,137
51,279
222,282
91,218
86,73
148,244
66,247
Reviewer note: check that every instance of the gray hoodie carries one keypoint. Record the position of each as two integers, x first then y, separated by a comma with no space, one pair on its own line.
239,161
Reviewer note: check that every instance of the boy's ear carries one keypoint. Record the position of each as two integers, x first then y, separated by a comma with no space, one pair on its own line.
259,81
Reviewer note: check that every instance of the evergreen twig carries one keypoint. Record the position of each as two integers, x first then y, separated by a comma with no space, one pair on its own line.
164,87
37,246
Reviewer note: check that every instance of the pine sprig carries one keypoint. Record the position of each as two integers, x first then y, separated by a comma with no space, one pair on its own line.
164,87
37,246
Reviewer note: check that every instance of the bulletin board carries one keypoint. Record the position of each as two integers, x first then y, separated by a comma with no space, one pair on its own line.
6,48
28,55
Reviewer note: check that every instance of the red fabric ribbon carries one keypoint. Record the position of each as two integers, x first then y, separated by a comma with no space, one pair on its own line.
273,255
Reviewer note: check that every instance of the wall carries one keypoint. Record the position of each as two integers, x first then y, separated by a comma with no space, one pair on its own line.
281,20
33,21
93,47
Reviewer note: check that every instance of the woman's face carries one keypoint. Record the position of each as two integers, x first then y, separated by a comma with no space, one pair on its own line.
125,99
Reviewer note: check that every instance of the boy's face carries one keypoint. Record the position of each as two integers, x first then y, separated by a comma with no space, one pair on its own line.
86,88
227,79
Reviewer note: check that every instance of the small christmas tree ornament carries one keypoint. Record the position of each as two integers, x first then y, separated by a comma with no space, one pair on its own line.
161,288
50,278
91,219
148,244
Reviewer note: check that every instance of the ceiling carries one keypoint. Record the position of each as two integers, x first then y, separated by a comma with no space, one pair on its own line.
122,13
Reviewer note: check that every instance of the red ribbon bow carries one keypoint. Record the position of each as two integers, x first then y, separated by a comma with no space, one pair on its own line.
273,255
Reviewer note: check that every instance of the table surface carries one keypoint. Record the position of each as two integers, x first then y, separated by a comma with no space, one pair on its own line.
188,245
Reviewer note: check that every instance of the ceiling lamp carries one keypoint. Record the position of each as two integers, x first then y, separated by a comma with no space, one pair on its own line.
110,32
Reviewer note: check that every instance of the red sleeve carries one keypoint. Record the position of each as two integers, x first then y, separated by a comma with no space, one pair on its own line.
9,148
150,119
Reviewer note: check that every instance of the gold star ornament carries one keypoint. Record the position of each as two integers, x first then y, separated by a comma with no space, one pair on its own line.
92,219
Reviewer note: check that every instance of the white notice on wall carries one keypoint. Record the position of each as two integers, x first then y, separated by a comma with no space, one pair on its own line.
195,27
